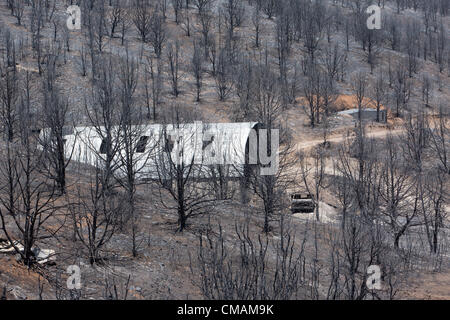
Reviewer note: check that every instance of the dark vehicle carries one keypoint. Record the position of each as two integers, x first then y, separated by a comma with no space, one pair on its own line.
302,203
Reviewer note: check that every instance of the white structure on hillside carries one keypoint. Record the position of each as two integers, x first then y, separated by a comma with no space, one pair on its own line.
200,144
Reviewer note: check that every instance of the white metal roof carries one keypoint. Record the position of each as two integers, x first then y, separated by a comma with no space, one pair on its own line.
198,143
353,111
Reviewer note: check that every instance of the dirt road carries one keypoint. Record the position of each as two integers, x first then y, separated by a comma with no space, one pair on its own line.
377,133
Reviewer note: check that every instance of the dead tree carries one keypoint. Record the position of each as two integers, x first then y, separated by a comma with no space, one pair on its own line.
284,41
203,5
126,23
197,69
116,15
313,23
97,27
401,88
162,5
266,106
371,39
37,24
439,139
9,88
244,86
320,94
18,9
393,33
205,18
114,291
395,193
104,117
220,177
328,93
427,90
177,6
157,35
356,248
442,47
379,92
223,77
314,176
269,7
178,173
173,61
185,24
142,18
256,21
234,12
249,274
412,47
28,199
362,176
434,213
95,213
155,73
334,60
83,61
134,152
359,87
311,92
415,141
129,134
55,113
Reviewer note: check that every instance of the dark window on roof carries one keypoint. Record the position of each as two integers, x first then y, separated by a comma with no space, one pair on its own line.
140,146
206,143
169,145
66,130
103,147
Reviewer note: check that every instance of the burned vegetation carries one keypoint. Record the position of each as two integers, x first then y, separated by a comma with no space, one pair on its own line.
224,149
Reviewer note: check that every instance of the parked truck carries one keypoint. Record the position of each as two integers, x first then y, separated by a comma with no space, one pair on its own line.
302,203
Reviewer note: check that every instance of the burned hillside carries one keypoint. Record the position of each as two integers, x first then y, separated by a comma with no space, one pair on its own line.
224,149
